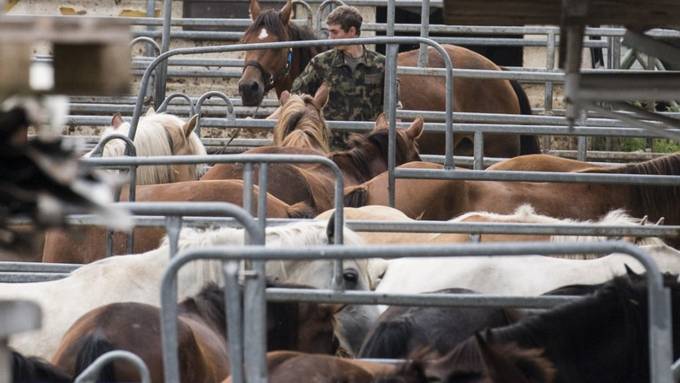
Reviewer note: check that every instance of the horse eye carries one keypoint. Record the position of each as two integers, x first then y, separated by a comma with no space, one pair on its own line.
350,276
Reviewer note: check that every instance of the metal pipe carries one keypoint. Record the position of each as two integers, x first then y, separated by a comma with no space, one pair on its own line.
550,65
478,151
166,102
581,148
169,300
173,226
231,117
234,317
91,373
391,12
263,186
390,109
424,32
660,347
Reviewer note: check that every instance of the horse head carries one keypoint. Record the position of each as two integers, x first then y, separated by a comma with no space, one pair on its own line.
407,145
301,122
263,68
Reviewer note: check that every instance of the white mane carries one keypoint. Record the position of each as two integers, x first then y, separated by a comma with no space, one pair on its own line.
295,235
151,139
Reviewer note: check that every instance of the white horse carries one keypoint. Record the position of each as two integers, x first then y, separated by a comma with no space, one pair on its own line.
136,278
158,134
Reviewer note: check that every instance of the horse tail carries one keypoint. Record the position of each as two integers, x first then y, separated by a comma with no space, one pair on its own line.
356,196
92,347
300,210
527,144
389,340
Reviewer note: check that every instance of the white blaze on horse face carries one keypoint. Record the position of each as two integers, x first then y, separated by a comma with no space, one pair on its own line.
263,34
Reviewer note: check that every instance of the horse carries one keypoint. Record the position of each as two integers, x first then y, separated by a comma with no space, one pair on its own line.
544,163
314,184
277,69
202,338
300,123
85,244
402,330
35,370
158,134
523,214
137,279
529,275
601,338
443,199
501,364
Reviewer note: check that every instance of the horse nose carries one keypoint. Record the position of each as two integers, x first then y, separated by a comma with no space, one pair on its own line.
248,87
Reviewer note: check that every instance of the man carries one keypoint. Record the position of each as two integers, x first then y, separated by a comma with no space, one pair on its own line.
354,74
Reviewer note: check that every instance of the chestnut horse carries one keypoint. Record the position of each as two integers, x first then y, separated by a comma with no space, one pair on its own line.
544,163
443,199
277,69
313,184
300,121
202,338
85,244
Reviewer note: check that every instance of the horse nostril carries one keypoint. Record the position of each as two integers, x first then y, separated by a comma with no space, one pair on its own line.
254,87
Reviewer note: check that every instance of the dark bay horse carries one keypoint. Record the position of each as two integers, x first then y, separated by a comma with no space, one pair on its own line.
202,338
314,184
277,69
442,199
85,244
35,370
601,338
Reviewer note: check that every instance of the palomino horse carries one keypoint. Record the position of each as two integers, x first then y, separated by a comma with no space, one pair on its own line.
158,134
202,339
443,199
543,163
601,338
277,69
137,279
314,183
85,244
300,123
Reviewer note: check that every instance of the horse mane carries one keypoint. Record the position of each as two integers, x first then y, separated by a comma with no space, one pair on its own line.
359,152
209,304
652,200
32,369
151,139
300,127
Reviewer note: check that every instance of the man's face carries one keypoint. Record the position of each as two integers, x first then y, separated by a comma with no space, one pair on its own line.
335,31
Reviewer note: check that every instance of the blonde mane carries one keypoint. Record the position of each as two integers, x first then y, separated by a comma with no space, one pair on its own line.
299,126
152,138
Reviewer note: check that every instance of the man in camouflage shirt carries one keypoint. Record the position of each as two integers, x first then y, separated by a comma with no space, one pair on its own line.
354,74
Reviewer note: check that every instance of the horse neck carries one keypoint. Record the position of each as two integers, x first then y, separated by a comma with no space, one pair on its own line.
360,163
602,323
300,58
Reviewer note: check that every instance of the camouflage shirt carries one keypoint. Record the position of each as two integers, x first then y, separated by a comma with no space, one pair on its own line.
355,94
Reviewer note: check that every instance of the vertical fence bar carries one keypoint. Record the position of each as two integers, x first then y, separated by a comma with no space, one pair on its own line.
424,32
549,66
234,317
162,71
478,152
262,196
391,10
248,192
616,52
391,106
173,226
582,148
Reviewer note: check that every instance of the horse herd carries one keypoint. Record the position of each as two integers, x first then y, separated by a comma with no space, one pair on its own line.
113,303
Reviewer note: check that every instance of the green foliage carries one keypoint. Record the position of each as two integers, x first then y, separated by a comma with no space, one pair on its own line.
661,145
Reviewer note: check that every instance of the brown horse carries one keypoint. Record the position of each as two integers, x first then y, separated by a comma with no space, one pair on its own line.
300,123
202,338
496,364
443,199
313,184
544,163
277,69
86,244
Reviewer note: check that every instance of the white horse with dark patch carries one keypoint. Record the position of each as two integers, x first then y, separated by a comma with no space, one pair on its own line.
137,278
158,134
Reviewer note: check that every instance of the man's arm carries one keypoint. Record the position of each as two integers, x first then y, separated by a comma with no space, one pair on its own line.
308,81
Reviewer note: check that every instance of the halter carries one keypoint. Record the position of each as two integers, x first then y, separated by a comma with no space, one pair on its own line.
267,78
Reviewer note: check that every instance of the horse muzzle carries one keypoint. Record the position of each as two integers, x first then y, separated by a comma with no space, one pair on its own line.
251,92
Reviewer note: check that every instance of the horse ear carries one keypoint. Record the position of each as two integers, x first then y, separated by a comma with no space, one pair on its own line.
330,229
321,96
254,9
150,112
190,126
286,11
116,120
285,95
416,129
381,122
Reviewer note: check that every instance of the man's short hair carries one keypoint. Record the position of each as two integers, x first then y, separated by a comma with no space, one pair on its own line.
346,16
